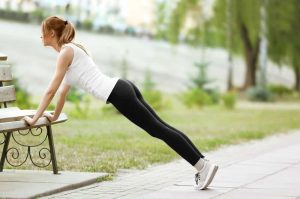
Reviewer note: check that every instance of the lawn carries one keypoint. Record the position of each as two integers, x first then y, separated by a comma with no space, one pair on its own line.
108,142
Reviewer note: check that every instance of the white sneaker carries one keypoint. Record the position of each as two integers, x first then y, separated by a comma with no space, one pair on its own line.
204,177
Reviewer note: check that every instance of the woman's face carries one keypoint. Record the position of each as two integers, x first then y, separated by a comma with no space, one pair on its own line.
47,37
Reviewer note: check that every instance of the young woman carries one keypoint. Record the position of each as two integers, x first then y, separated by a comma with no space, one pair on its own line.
74,67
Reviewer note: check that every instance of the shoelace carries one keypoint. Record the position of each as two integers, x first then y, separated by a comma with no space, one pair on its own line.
197,175
197,178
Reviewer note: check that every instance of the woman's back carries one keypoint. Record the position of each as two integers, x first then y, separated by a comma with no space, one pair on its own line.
85,74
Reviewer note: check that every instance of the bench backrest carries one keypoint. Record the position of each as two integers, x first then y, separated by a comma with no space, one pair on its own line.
7,93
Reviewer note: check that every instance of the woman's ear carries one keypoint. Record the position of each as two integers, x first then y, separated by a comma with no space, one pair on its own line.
52,33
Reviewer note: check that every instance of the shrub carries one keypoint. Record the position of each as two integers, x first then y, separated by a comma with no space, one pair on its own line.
259,94
229,100
22,96
81,102
200,81
87,24
280,90
109,109
38,15
214,95
196,97
153,97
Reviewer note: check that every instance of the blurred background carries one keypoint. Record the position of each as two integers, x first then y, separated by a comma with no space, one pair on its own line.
239,44
222,71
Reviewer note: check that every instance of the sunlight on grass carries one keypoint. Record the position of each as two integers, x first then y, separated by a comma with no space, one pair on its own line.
110,142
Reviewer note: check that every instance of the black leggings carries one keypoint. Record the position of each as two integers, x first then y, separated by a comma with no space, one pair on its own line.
129,101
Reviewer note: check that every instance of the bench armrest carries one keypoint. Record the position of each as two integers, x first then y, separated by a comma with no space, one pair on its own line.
21,125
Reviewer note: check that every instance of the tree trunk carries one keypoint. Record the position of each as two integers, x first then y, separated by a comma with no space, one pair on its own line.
251,56
297,78
229,45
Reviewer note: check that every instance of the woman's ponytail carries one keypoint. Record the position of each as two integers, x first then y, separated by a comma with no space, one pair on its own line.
68,34
64,30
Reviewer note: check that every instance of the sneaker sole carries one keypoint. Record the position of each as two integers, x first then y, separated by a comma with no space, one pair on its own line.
211,174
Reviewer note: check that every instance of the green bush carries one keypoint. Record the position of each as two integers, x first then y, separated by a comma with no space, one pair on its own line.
154,99
199,85
87,24
38,15
82,108
196,97
109,109
214,95
259,94
23,100
280,90
81,103
201,78
229,100
74,95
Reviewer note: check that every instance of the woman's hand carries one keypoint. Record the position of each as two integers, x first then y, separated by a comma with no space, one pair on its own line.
29,120
49,116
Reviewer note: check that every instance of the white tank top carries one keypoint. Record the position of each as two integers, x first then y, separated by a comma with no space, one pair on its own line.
85,74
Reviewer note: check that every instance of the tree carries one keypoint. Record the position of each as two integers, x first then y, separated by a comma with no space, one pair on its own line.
245,23
283,34
229,11
178,17
245,28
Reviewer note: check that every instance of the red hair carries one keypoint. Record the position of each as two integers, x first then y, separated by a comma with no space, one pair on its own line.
64,30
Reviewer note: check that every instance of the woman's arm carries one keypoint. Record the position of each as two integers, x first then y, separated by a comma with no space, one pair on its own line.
64,59
59,105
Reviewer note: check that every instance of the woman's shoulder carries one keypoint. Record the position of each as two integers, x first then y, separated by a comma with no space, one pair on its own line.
71,45
66,53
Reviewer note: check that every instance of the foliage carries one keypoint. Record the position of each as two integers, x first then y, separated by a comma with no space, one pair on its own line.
170,25
201,78
109,109
243,13
199,85
259,94
15,15
87,24
214,94
280,90
81,103
154,98
38,15
196,98
23,100
150,94
283,34
229,100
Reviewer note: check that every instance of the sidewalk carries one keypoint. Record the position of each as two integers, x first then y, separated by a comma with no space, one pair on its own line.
268,168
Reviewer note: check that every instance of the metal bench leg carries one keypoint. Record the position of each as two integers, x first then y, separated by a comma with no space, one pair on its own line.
52,149
4,151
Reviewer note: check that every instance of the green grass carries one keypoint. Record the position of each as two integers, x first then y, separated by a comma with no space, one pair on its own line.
110,142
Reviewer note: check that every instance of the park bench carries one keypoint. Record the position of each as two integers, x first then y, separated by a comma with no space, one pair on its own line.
12,127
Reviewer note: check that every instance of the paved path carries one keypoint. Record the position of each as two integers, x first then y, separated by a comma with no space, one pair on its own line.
34,183
268,168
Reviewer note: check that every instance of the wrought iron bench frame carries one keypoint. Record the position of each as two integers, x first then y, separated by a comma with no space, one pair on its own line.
11,124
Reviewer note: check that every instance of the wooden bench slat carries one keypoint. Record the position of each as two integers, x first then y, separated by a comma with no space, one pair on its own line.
7,112
15,114
7,94
22,125
5,73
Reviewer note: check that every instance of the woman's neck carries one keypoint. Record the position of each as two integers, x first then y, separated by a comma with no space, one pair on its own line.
56,47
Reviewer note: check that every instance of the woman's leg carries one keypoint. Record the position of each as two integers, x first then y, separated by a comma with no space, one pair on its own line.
124,98
140,97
